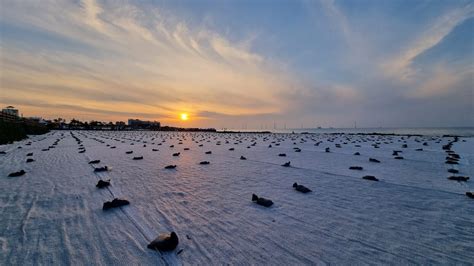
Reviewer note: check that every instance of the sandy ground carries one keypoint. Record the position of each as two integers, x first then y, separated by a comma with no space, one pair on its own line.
413,215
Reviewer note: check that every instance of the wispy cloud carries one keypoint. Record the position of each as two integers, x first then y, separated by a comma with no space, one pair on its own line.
442,81
399,66
332,63
338,18
150,61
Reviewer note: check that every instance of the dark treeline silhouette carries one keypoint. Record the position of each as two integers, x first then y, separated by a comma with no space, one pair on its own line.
60,123
74,124
17,130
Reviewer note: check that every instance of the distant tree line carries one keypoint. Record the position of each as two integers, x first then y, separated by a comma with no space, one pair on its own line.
74,124
18,130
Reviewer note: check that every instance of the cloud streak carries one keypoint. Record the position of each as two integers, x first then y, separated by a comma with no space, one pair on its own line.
144,58
400,65
328,65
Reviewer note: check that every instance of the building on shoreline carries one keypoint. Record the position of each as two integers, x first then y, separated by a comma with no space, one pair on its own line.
9,113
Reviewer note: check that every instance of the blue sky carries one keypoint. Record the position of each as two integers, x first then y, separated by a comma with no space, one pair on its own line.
229,63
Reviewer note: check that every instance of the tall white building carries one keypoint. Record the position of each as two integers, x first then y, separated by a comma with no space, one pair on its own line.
10,110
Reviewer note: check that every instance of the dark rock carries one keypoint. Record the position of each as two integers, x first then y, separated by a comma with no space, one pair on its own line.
101,169
262,201
165,242
453,171
103,183
16,174
301,188
459,178
455,155
115,203
370,177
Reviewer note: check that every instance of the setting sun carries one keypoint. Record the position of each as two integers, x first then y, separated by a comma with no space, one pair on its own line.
184,117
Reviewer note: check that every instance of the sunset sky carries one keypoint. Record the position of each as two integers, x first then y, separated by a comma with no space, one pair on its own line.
241,63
